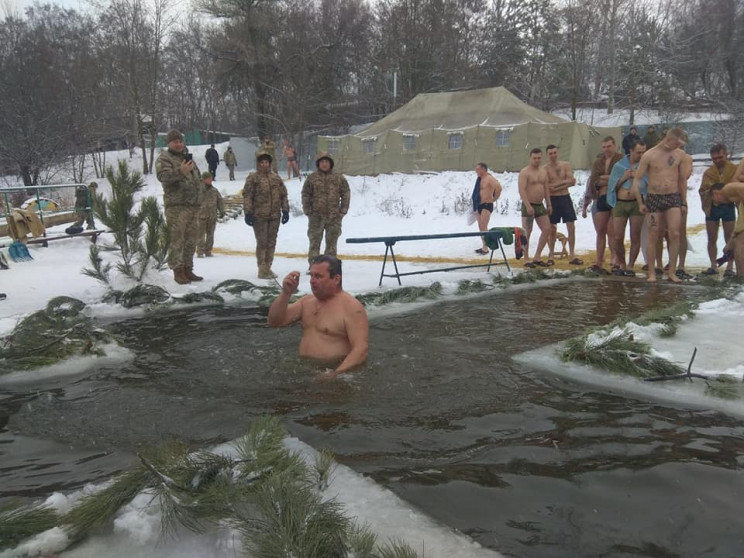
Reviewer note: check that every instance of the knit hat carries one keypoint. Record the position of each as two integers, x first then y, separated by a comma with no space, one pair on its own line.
173,135
261,155
323,155
206,174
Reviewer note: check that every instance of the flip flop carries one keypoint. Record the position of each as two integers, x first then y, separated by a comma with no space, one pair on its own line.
530,264
729,273
576,261
710,271
598,270
618,272
541,264
549,263
629,273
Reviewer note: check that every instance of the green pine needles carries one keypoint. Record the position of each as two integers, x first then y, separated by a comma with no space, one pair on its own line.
140,233
272,496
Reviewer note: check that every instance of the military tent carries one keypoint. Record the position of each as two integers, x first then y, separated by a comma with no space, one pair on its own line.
456,130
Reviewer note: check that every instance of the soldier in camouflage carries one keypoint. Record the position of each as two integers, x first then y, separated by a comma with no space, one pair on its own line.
182,196
212,205
325,201
230,161
83,206
264,203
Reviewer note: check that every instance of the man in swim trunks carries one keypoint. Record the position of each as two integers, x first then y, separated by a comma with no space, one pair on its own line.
680,271
600,176
291,154
560,179
625,207
533,189
733,193
335,328
667,196
722,172
489,191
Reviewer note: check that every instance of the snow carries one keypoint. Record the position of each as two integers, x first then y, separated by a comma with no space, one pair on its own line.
642,117
391,204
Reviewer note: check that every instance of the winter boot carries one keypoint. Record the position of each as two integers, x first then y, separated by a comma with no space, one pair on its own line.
189,272
262,273
180,277
199,255
208,254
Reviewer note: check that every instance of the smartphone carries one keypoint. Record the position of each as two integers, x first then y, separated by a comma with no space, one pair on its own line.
189,157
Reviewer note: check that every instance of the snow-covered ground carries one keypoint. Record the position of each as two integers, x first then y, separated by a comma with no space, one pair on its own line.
642,117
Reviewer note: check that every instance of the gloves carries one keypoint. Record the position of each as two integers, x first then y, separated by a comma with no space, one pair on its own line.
285,217
249,219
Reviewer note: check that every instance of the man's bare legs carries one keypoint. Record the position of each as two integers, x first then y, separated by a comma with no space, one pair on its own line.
544,223
652,222
483,217
672,219
527,223
571,228
682,240
601,220
636,224
618,239
728,233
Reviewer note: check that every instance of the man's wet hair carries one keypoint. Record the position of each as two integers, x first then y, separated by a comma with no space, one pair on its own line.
536,150
334,264
484,166
637,142
678,133
717,148
551,146
609,138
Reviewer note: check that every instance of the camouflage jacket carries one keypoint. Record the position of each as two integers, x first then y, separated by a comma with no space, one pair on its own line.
229,158
326,194
178,188
212,204
265,195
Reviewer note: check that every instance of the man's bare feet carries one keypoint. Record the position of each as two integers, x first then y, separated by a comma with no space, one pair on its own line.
673,278
651,278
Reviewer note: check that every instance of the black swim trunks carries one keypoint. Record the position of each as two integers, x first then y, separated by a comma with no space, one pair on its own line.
487,206
602,204
563,209
659,203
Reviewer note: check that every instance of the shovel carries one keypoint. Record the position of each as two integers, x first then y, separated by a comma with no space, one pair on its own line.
18,252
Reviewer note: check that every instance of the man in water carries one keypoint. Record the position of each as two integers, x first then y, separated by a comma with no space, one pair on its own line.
560,179
488,190
533,189
733,193
335,329
625,207
666,167
721,172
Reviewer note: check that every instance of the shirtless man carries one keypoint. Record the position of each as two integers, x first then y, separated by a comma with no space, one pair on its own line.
335,329
733,192
667,196
680,272
291,154
722,171
560,179
489,192
625,207
533,189
601,170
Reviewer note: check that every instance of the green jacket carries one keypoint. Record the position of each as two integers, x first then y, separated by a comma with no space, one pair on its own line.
265,195
212,204
178,189
326,194
229,158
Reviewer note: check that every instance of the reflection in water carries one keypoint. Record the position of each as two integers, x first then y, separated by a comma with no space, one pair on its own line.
523,462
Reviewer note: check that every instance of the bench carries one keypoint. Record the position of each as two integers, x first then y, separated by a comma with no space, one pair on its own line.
44,240
494,241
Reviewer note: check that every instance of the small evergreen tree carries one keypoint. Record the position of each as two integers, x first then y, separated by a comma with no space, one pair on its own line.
140,235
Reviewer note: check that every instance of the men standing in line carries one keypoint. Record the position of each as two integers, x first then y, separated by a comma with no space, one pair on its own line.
625,207
600,176
667,196
265,203
652,137
211,206
230,161
291,154
722,172
533,189
629,139
488,190
325,201
269,147
733,193
560,179
182,196
213,159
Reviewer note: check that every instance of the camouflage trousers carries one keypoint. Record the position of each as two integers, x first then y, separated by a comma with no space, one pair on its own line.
84,216
205,235
316,226
231,168
265,231
182,228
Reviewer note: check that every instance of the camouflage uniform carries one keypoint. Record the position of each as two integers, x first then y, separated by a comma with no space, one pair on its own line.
212,205
231,162
325,201
83,206
182,195
265,196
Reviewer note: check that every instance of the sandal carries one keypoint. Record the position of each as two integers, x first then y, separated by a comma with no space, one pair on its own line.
550,263
576,261
540,264
530,264
598,270
618,272
711,271
629,273
729,273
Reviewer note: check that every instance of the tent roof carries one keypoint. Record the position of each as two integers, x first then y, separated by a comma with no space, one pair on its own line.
495,107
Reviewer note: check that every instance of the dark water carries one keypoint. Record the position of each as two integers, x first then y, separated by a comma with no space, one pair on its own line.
524,463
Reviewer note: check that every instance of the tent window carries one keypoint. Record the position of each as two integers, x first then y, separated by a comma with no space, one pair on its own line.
409,143
502,138
333,145
455,141
368,146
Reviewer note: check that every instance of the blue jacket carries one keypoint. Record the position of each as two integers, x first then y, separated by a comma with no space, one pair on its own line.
617,172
